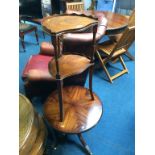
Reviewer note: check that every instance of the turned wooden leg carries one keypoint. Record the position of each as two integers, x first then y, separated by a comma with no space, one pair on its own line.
84,144
60,86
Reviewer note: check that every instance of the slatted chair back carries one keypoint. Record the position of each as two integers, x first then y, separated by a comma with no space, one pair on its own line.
125,41
76,6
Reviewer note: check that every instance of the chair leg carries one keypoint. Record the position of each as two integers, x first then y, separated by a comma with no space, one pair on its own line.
107,73
130,56
84,144
103,66
122,62
22,41
36,36
125,70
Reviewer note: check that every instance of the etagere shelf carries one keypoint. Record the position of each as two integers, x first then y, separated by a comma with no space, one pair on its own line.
72,109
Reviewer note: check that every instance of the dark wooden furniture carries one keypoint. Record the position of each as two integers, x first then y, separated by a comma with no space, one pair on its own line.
24,29
71,109
113,50
81,113
32,131
116,22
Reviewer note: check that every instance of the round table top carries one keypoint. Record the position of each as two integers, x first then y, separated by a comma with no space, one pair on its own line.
115,21
81,113
65,22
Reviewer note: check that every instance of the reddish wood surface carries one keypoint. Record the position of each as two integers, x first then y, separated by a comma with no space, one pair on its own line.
65,22
80,112
69,65
115,21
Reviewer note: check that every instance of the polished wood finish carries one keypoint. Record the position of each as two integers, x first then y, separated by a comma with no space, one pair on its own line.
113,50
76,6
66,23
32,132
69,65
71,109
116,22
81,112
57,26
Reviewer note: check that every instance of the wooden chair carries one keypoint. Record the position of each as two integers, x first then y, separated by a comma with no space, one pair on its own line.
131,23
113,50
24,29
76,6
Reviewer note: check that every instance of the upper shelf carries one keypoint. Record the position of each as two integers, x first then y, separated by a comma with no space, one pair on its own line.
69,65
67,23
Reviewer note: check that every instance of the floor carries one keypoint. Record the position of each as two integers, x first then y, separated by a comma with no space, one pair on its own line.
115,133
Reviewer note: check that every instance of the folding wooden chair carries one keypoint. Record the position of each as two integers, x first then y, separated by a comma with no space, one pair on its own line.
76,6
114,50
131,23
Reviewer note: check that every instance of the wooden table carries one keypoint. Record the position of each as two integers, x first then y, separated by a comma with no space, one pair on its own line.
116,22
72,109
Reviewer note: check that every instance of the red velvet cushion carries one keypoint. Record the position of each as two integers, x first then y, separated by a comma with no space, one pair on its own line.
37,68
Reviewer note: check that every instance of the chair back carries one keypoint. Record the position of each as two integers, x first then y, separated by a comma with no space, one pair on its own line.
125,41
76,6
132,19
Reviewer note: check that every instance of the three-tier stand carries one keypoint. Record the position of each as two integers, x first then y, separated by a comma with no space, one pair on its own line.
72,109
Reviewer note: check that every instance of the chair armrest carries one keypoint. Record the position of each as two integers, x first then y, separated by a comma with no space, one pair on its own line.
47,48
37,75
82,38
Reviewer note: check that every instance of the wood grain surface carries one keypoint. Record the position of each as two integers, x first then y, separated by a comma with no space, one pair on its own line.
115,20
80,112
60,23
69,65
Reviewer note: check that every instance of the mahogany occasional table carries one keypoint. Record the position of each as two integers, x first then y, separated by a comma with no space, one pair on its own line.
72,109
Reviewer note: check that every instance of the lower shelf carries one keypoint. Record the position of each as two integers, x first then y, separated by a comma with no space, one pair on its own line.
80,112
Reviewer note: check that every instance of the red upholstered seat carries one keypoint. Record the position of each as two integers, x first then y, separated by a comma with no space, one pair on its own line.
37,68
